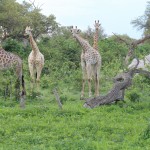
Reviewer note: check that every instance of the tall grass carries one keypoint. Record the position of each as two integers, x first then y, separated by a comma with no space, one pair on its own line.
42,126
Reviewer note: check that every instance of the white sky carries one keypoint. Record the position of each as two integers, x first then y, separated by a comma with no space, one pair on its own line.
114,15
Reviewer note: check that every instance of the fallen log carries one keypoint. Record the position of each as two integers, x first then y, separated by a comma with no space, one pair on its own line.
121,83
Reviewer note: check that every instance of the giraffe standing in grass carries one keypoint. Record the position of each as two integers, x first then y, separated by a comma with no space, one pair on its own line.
96,35
90,62
9,60
35,59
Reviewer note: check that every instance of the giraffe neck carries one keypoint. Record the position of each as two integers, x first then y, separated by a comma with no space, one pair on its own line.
84,44
33,44
95,44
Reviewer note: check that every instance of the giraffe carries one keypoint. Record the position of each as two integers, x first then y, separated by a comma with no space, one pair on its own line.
35,59
9,60
90,63
95,37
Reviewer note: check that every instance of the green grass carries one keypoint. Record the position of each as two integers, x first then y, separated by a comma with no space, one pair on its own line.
42,126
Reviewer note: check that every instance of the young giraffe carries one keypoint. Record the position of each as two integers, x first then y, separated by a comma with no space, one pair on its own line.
90,62
95,37
9,60
35,59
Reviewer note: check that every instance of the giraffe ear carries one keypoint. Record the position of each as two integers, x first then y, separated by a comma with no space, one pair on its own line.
78,31
71,28
99,23
30,28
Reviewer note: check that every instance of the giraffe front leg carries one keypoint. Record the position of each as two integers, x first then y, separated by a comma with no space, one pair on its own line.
96,85
83,78
82,92
96,78
89,73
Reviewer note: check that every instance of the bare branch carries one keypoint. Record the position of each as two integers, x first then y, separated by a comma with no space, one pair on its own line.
57,98
135,43
122,40
132,46
33,4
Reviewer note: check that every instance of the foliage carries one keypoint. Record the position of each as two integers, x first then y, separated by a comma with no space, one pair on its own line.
134,96
41,125
143,22
22,15
13,45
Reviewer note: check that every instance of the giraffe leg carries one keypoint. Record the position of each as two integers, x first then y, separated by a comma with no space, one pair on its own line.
96,79
39,70
83,78
31,69
89,73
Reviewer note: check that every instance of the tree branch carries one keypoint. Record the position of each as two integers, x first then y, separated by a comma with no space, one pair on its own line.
57,98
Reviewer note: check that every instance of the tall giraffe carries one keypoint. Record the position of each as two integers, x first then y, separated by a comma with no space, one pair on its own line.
90,62
9,60
96,35
35,59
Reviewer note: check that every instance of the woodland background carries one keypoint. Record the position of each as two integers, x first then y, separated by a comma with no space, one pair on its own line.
41,125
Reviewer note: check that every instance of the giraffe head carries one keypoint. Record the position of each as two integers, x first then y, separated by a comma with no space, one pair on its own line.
97,25
75,31
28,30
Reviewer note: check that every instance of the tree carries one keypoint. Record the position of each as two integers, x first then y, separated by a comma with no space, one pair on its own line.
14,17
143,22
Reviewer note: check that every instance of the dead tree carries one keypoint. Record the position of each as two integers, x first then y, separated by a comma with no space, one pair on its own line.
132,46
121,81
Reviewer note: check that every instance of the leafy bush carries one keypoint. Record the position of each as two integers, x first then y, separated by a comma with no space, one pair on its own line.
134,96
13,45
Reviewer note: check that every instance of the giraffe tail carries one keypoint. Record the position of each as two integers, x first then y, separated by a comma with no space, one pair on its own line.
23,87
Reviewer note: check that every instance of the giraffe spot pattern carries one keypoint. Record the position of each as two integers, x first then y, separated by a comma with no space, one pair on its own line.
8,60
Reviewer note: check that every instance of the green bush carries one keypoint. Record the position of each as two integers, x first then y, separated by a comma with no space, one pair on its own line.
13,45
134,96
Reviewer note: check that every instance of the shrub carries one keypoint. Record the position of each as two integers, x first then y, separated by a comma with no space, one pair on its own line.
134,96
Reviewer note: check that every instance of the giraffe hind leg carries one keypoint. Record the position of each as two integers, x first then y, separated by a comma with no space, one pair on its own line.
38,71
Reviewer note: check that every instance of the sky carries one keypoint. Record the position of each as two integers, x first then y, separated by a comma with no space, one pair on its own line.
115,16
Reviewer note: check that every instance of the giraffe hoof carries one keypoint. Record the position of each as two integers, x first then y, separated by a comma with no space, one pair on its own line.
81,98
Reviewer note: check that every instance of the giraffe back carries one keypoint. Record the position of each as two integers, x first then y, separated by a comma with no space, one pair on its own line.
9,60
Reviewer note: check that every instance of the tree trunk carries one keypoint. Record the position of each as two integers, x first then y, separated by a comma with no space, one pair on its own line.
121,82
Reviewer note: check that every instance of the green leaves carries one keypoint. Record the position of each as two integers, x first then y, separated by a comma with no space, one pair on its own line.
143,22
14,17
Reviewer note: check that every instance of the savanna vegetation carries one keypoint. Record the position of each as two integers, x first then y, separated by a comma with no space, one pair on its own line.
41,125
